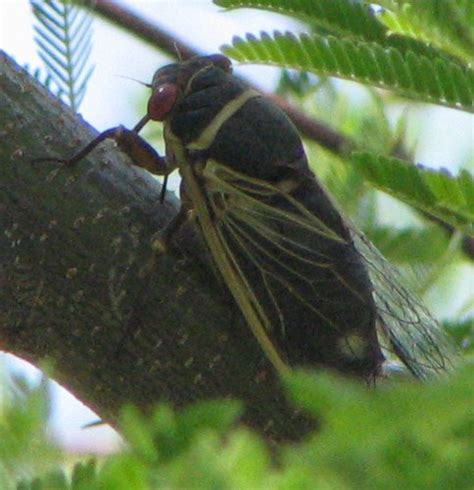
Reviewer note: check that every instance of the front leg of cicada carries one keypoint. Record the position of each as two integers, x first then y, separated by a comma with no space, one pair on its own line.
129,142
134,146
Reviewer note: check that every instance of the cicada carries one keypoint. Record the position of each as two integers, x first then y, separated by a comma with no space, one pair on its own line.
313,290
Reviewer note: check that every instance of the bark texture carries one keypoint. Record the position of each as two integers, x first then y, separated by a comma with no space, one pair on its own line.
74,243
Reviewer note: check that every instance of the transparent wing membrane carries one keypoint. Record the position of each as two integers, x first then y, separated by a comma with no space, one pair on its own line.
314,287
413,335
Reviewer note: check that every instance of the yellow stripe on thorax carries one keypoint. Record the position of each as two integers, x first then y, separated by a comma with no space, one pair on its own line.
207,136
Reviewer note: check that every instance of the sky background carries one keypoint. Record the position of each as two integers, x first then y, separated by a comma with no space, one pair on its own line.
446,139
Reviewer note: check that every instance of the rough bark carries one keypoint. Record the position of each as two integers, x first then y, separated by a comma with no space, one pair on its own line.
74,243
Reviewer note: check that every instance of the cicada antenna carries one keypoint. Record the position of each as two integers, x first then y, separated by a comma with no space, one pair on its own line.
178,52
134,80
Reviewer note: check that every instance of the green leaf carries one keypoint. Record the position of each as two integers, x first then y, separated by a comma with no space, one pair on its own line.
342,18
84,475
447,24
24,441
246,460
138,434
210,415
400,435
166,434
448,198
55,480
339,16
63,35
463,334
408,245
124,472
434,80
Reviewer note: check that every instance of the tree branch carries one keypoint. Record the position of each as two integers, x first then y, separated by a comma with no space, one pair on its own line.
73,248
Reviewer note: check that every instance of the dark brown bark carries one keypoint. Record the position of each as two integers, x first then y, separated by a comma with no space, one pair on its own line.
73,242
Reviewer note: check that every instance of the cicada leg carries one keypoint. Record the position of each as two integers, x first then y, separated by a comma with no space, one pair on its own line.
161,240
129,141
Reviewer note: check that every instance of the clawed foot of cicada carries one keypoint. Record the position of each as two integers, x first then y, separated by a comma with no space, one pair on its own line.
161,240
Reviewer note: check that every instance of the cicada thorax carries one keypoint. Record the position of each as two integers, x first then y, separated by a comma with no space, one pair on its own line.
288,253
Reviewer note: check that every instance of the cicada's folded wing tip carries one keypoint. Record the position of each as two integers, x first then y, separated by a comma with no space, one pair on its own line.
393,369
429,356
405,326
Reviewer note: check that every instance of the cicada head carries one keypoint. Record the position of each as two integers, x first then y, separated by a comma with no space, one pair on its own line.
171,81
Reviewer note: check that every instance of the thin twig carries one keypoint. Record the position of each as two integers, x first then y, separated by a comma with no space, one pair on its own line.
147,31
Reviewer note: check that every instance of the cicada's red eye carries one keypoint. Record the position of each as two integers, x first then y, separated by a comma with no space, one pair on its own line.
162,101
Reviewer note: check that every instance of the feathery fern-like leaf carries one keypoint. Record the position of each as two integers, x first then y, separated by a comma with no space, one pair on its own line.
450,199
339,16
344,18
412,75
63,35
447,24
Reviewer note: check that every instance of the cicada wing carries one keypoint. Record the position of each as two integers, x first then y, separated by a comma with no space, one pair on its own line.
229,268
409,330
323,291
306,276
